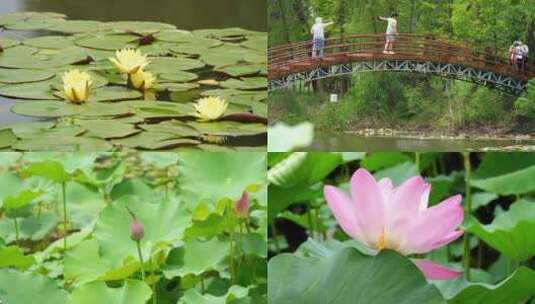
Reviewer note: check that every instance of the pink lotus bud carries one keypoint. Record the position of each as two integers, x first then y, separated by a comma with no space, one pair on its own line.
242,206
136,230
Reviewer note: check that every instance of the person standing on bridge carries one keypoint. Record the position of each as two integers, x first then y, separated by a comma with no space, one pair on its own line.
524,51
318,37
391,33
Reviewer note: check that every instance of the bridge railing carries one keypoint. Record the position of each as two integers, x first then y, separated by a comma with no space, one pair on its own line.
282,58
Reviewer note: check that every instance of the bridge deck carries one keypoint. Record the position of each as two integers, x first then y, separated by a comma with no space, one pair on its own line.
295,58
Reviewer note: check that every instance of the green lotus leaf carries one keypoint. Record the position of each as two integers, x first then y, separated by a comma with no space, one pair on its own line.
251,83
22,199
132,292
108,42
7,138
229,128
77,26
220,175
62,143
38,90
294,279
20,76
178,76
160,65
46,108
34,22
107,128
163,223
50,169
13,256
196,257
509,233
30,228
35,287
235,294
515,289
221,33
66,130
49,42
29,129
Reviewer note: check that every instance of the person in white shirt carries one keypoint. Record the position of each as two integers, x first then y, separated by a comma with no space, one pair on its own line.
391,33
524,50
318,37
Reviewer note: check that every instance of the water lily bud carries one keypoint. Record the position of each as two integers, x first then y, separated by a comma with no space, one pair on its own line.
136,230
77,86
242,206
143,80
211,108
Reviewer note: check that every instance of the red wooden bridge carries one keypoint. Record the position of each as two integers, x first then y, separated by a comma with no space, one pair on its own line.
425,54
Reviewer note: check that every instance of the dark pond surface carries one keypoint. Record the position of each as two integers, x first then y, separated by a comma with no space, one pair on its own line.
185,14
349,142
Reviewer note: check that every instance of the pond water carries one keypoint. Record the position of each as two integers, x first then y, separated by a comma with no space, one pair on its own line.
185,14
350,142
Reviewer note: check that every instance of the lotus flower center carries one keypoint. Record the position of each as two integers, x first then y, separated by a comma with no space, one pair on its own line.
381,243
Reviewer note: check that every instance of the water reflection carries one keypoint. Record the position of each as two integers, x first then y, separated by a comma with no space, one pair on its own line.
346,142
185,14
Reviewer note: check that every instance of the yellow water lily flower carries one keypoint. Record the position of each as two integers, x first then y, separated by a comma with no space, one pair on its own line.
129,61
211,108
77,86
143,80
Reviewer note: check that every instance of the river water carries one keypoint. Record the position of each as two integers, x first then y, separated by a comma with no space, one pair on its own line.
185,14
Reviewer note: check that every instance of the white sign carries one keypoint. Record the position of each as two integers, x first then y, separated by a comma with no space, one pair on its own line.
334,97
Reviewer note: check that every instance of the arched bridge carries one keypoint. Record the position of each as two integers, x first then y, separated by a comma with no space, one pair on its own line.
425,54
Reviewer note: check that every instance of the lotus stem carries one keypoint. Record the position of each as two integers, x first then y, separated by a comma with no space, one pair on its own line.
65,232
16,231
154,291
310,222
140,255
467,212
417,161
231,233
275,236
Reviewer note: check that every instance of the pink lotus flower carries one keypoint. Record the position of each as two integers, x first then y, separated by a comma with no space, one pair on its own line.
242,206
383,217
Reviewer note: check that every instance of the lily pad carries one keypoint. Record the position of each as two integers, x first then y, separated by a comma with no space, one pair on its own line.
38,90
62,143
175,36
154,141
229,128
250,83
108,42
178,76
160,65
107,128
6,42
177,128
240,70
21,76
49,42
46,108
132,292
77,26
7,138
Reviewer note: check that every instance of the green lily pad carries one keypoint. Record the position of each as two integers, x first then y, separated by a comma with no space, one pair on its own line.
6,42
77,26
49,42
7,138
13,256
161,109
107,129
178,76
38,90
160,65
109,42
258,42
105,109
235,294
177,128
154,141
114,93
175,36
139,27
21,76
250,83
241,70
132,292
35,287
46,108
229,128
62,143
